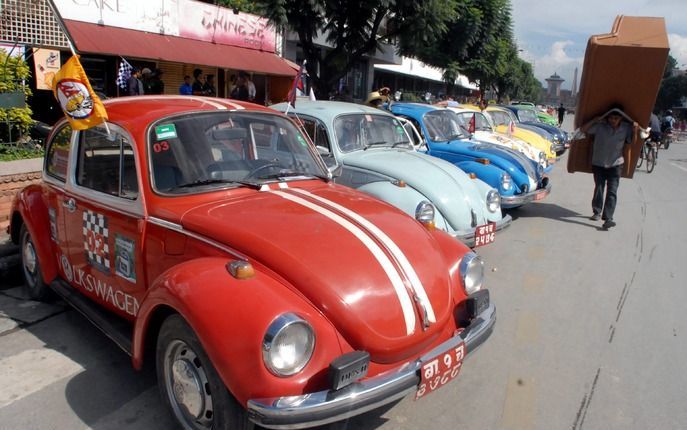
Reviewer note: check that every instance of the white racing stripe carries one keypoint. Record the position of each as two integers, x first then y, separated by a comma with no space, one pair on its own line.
415,282
377,252
32,370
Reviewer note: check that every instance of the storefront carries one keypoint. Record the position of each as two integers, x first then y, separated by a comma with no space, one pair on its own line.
153,34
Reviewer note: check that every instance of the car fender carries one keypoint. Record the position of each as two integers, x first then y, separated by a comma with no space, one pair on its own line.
230,318
405,198
30,206
488,173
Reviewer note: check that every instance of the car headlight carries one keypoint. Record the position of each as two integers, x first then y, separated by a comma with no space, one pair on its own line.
506,181
472,272
493,201
288,345
542,156
424,212
552,148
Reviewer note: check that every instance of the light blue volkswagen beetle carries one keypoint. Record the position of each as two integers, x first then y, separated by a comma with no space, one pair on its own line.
376,156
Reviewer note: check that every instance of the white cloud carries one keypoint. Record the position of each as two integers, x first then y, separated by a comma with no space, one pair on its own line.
556,60
678,49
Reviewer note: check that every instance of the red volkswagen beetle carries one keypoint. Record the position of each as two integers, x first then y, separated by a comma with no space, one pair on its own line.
206,236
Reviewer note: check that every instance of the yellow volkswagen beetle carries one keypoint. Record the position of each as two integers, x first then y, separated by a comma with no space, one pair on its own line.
506,123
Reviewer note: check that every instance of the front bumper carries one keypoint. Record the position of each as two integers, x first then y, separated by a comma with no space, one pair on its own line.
468,237
328,406
521,199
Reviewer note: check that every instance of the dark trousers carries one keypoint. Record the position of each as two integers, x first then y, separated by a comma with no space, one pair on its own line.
606,178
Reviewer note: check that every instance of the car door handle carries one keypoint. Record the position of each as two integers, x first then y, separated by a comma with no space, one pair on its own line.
70,204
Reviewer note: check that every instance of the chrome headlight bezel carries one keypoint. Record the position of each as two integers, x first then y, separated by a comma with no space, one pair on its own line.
552,147
471,272
493,201
506,181
542,156
282,326
425,212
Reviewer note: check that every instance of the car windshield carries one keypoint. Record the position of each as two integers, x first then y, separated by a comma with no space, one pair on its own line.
362,131
443,125
527,115
203,150
481,122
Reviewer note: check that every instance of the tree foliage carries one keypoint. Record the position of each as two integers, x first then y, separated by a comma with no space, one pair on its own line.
673,88
354,29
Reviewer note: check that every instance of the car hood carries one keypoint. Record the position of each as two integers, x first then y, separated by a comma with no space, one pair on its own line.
450,189
355,267
555,131
506,159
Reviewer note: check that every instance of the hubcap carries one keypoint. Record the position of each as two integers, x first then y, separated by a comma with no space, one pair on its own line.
187,386
29,260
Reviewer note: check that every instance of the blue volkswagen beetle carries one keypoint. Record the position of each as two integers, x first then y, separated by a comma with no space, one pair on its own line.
377,156
518,179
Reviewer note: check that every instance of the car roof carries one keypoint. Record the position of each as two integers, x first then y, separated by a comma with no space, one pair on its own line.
136,110
418,107
328,110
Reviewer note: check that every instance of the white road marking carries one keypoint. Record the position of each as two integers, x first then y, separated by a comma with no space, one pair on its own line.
679,167
417,286
32,370
382,258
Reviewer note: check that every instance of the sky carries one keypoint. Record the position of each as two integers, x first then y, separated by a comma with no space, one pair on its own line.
553,34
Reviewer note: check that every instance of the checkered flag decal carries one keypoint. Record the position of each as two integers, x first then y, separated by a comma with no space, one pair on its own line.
124,74
95,233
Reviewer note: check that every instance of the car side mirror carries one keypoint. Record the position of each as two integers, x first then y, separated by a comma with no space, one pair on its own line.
335,171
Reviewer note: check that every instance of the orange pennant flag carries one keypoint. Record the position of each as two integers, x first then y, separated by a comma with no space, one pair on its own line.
82,107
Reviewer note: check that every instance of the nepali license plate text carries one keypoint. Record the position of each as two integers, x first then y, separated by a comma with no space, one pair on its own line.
485,234
440,370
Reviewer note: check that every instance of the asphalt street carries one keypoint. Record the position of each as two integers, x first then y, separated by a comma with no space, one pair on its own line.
590,332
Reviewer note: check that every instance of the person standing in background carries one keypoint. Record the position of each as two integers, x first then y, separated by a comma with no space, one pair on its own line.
250,86
561,114
157,86
186,89
197,83
134,85
240,92
209,86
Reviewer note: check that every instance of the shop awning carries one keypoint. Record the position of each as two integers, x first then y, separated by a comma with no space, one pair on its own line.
104,40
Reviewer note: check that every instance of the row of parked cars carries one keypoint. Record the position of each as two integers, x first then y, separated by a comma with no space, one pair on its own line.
285,270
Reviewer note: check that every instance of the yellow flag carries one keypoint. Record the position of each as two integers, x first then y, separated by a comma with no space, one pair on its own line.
80,104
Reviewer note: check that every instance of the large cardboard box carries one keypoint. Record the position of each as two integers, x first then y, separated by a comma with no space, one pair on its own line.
622,67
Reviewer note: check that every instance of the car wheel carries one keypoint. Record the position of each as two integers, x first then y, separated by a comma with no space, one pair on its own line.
189,383
34,286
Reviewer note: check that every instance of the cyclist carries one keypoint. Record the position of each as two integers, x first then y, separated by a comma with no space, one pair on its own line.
668,121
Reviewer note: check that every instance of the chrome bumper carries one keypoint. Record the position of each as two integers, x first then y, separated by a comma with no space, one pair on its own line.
328,406
521,199
468,238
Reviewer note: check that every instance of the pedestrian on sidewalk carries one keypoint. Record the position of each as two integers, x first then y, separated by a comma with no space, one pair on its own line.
134,85
186,89
610,137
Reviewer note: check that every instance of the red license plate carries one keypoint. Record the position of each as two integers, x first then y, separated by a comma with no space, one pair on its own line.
440,370
485,234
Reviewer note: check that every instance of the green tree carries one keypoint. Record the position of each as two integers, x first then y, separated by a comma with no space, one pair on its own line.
13,73
247,6
671,65
671,93
355,29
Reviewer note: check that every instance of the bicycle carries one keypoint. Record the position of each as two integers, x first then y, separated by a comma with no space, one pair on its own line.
650,153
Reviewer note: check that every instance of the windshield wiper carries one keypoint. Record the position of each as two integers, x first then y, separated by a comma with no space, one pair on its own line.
286,173
202,182
381,142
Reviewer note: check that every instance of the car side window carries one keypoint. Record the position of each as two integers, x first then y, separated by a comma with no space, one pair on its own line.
106,163
58,154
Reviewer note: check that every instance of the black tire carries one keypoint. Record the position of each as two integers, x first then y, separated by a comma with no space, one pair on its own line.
182,364
34,285
651,159
666,142
641,156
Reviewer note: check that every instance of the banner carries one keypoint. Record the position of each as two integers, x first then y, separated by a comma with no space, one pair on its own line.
47,64
80,104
